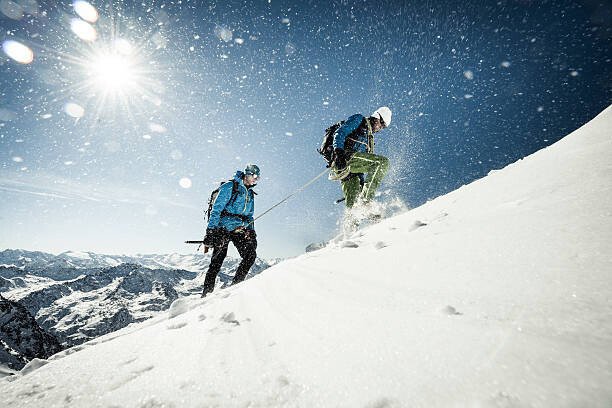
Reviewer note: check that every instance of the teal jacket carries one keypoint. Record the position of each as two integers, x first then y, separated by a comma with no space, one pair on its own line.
231,214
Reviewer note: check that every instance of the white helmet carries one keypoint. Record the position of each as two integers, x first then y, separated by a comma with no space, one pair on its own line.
384,114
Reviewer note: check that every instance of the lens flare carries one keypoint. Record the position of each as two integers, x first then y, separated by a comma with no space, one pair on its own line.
83,30
11,9
185,182
74,110
106,72
18,52
86,11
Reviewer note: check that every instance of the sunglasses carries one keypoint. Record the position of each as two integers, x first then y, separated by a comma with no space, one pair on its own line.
255,176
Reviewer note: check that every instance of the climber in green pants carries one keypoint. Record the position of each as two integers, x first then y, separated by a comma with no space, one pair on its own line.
360,164
355,164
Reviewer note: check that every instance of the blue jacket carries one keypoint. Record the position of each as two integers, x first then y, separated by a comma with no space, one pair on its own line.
356,127
243,205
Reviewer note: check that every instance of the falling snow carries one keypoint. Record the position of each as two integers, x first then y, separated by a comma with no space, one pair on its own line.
167,91
157,128
223,33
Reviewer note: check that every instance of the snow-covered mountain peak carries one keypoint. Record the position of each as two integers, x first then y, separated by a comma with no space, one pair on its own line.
75,254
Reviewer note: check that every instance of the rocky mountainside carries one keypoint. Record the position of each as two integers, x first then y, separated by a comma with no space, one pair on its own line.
21,338
75,297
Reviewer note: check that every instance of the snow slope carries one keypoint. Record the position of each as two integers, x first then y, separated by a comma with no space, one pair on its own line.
495,295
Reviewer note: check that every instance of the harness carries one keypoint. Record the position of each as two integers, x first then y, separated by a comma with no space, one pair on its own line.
243,217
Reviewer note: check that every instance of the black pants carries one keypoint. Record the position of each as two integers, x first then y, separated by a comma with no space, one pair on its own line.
246,244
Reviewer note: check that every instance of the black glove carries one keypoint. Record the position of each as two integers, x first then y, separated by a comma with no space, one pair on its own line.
213,237
339,159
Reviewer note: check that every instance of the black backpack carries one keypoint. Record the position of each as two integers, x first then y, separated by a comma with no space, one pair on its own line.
327,149
215,193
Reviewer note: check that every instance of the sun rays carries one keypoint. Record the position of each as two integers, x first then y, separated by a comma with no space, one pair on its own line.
105,61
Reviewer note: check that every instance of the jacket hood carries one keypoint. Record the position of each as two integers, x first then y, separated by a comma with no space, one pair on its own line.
238,177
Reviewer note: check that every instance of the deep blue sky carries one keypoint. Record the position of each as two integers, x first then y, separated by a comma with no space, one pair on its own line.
473,87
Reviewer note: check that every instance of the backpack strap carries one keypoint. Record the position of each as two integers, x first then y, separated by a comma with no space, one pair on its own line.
370,136
235,188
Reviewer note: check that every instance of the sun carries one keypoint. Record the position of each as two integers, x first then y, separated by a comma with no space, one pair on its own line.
113,73
116,74
108,68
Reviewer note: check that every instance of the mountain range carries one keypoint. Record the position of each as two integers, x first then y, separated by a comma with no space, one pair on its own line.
50,302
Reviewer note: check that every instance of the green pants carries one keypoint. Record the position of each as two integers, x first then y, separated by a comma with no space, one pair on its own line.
374,166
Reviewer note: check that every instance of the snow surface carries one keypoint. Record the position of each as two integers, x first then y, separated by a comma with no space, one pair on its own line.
495,295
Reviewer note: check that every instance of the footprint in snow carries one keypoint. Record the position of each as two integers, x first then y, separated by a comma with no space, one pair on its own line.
127,362
230,318
451,311
349,244
503,399
380,245
383,403
125,378
283,381
176,326
417,224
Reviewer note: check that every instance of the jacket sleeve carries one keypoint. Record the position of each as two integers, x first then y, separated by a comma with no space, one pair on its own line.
225,193
346,129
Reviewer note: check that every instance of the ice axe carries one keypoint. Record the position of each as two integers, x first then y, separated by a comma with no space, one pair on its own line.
200,244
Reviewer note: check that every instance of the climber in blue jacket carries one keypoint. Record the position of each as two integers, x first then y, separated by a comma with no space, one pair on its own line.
231,220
